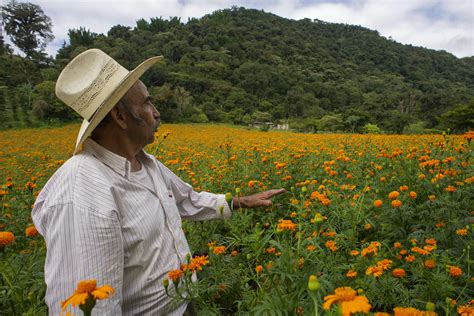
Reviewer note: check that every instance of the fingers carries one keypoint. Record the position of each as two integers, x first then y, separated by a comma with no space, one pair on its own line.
273,192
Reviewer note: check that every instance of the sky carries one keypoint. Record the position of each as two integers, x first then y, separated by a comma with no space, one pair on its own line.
436,24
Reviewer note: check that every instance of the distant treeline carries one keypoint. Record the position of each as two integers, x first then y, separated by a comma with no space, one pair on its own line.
246,66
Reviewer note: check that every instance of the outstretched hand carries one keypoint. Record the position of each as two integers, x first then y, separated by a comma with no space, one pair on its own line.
261,199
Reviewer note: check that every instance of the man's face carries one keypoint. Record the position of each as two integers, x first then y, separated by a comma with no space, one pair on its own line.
146,119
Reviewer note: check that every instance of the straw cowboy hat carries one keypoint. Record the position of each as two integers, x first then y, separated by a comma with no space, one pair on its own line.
92,84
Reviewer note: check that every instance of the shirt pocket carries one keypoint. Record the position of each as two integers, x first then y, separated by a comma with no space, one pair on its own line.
171,210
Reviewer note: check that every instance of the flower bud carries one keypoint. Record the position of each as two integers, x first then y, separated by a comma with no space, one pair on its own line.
166,283
304,189
430,306
228,197
237,191
313,284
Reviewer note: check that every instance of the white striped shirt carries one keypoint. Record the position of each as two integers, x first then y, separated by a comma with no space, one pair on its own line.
100,224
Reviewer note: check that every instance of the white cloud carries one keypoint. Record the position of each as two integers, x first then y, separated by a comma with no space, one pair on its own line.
436,24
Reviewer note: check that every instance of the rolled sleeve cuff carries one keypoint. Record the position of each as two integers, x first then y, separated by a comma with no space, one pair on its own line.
222,207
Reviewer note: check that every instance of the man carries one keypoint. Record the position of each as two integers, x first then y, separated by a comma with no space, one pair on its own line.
112,212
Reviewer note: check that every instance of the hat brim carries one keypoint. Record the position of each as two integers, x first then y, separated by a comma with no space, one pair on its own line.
89,125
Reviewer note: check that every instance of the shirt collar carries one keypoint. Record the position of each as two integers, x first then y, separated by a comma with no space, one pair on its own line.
116,162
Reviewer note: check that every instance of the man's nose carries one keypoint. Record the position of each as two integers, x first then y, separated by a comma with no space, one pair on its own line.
156,114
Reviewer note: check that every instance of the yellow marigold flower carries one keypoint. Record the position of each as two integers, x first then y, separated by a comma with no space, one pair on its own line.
31,231
349,301
351,274
421,177
381,314
396,203
398,273
393,195
461,232
432,197
84,290
455,271
6,238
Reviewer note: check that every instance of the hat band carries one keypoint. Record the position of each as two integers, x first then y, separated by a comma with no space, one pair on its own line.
85,100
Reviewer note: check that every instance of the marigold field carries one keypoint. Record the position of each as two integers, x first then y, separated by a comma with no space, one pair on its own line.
375,220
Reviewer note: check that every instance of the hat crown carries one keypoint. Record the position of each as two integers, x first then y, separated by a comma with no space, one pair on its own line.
88,80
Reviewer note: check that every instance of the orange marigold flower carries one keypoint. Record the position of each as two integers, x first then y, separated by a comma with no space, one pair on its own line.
397,245
404,188
413,195
371,249
367,226
393,195
175,275
430,241
258,268
311,248
351,274
234,253
461,232
285,224
466,310
349,301
406,311
410,258
421,177
455,271
219,250
450,188
31,231
84,289
378,203
197,262
6,238
381,314
270,250
396,203
432,197
398,273
331,244
429,263
440,224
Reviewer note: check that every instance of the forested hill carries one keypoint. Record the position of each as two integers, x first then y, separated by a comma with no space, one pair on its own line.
239,65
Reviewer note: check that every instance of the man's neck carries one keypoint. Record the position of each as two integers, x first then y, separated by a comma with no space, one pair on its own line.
122,147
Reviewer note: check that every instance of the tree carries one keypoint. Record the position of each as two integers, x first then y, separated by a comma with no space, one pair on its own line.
28,27
460,118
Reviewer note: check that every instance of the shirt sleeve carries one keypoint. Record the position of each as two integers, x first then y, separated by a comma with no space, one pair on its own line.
82,244
192,205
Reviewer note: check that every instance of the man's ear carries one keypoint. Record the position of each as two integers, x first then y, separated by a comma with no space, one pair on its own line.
119,117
